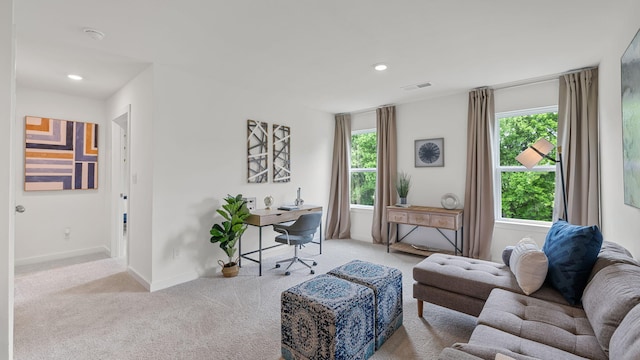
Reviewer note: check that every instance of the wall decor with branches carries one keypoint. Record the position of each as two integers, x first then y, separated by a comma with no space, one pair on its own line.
257,151
281,153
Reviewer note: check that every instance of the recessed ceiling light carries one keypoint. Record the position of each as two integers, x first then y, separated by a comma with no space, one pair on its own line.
74,77
380,67
94,33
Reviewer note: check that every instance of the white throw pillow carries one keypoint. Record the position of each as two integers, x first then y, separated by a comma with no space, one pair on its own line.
529,264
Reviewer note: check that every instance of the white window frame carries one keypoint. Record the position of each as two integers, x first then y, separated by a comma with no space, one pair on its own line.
498,169
354,170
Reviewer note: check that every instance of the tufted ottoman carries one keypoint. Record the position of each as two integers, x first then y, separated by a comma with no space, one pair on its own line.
386,283
327,318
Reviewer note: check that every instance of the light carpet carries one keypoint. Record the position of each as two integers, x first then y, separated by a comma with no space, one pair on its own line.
95,310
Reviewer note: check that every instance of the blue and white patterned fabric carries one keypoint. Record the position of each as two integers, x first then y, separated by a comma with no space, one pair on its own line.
327,318
386,283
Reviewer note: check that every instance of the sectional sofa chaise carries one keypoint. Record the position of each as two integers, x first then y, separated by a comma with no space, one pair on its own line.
605,324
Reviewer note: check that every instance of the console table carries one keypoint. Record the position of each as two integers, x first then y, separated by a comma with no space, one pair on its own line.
433,217
264,217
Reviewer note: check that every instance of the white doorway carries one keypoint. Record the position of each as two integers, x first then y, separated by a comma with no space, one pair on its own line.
120,184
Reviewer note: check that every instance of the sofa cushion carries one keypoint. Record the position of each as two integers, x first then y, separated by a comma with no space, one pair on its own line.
612,253
488,336
610,295
572,251
455,354
529,264
624,342
560,326
489,352
471,277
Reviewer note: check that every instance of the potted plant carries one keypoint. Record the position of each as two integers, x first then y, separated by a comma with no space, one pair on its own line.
228,232
402,186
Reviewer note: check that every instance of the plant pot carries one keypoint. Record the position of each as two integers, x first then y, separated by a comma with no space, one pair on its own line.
230,269
403,200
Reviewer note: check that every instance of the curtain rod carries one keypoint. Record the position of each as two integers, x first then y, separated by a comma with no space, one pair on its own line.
538,80
367,110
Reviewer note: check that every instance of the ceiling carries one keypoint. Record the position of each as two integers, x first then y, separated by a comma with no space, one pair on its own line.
319,53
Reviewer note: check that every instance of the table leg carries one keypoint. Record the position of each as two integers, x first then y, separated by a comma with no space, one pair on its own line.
388,235
260,251
320,237
456,245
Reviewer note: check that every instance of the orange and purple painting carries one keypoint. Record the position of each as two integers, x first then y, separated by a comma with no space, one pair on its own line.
60,154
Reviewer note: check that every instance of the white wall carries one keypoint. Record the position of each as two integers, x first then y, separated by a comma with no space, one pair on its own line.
446,117
620,222
84,212
198,143
139,94
7,107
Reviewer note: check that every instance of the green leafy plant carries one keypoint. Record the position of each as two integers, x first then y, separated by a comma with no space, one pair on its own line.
403,184
228,232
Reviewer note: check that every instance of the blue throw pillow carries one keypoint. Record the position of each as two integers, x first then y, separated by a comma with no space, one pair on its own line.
572,251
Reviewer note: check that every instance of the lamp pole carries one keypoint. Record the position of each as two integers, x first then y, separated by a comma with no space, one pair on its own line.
564,192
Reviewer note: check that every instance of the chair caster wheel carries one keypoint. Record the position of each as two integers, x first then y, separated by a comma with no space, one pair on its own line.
313,272
277,265
287,273
315,263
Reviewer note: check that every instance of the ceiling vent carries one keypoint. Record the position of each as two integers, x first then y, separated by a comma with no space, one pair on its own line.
416,86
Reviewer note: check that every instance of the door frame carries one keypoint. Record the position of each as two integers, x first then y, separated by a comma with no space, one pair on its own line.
120,181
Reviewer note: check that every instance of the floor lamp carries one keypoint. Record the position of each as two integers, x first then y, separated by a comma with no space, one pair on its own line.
536,152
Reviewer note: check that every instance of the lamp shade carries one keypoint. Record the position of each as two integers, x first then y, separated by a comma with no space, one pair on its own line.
534,153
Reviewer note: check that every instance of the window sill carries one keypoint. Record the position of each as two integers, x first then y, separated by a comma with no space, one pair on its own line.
361,208
508,224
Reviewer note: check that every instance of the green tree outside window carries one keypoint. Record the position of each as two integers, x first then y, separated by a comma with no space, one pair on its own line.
526,194
364,160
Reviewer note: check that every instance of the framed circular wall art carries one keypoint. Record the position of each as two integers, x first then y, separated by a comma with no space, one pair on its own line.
429,152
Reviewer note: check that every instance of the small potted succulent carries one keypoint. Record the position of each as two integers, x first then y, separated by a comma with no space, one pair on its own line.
229,231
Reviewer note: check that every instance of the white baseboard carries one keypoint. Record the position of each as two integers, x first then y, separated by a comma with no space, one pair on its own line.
62,255
173,281
139,278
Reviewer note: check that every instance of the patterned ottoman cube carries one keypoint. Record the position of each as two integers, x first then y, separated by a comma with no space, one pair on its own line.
386,283
327,318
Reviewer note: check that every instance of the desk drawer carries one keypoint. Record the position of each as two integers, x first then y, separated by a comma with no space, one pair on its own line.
397,216
443,222
419,219
278,218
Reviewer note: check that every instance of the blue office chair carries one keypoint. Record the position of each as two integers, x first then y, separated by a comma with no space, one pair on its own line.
297,234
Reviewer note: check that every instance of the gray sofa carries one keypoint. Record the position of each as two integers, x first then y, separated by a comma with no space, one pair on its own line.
542,325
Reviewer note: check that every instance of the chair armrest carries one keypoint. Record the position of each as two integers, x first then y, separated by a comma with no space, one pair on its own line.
281,228
284,230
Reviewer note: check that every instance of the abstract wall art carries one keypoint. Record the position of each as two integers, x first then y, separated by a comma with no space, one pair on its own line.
630,74
257,151
281,154
429,152
60,154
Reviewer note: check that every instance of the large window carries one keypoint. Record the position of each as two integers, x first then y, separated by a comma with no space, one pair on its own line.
363,166
521,193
